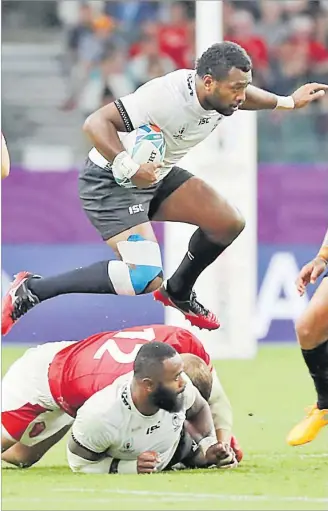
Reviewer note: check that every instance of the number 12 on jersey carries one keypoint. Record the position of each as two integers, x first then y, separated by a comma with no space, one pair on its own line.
111,346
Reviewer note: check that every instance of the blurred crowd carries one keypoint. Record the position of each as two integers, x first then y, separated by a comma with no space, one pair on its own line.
113,47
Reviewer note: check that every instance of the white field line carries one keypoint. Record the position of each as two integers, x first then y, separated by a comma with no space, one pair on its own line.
286,456
191,496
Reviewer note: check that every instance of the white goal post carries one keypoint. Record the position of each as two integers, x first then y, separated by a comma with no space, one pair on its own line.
228,161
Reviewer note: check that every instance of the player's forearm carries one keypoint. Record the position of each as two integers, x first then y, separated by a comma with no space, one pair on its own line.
323,252
221,410
200,421
259,99
103,134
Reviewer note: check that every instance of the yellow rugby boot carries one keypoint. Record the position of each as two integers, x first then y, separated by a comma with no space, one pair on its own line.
306,430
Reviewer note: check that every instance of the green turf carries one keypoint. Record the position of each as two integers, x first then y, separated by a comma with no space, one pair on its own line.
268,396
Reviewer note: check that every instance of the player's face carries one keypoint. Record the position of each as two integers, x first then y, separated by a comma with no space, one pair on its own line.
168,392
226,96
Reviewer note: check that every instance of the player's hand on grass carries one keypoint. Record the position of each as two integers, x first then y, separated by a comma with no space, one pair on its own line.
146,175
310,273
308,93
147,461
221,455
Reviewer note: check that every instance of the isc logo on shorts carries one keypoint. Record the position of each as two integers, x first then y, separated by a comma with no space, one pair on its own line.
137,208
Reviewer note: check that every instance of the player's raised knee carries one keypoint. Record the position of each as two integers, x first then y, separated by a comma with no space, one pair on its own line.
234,227
239,223
140,270
305,333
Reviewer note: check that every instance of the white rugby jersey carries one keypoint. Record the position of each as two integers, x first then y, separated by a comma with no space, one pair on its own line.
172,104
109,421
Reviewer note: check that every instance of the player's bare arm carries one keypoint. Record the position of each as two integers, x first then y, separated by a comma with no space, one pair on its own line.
102,128
259,99
201,428
313,269
221,410
205,379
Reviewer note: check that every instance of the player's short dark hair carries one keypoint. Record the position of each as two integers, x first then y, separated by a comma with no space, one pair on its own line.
219,58
150,358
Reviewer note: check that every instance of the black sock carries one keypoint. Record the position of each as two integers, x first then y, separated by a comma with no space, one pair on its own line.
92,279
317,362
202,252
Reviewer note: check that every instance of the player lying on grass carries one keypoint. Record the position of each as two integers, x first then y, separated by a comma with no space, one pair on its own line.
136,425
312,334
43,390
186,105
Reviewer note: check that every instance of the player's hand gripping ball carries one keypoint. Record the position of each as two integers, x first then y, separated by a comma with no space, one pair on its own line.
146,146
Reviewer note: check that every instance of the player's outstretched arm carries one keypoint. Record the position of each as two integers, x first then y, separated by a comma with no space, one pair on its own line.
259,99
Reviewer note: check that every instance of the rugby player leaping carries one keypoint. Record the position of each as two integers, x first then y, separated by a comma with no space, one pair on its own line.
186,105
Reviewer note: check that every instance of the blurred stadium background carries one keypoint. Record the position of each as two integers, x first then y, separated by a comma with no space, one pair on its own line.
63,59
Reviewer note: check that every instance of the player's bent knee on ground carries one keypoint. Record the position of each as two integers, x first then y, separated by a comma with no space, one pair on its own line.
140,270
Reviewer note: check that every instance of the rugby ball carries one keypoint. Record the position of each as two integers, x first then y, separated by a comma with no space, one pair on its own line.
146,144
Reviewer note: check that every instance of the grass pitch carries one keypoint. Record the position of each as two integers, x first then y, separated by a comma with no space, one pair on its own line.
268,395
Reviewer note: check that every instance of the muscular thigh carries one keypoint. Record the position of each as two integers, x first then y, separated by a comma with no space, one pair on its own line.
112,209
314,321
195,202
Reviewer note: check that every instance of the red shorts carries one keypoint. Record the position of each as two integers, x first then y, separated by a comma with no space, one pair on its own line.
29,412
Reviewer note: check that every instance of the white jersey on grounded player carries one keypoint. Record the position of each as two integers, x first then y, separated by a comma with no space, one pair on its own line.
109,422
172,104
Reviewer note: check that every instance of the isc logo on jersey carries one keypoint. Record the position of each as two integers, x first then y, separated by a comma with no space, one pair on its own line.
145,145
